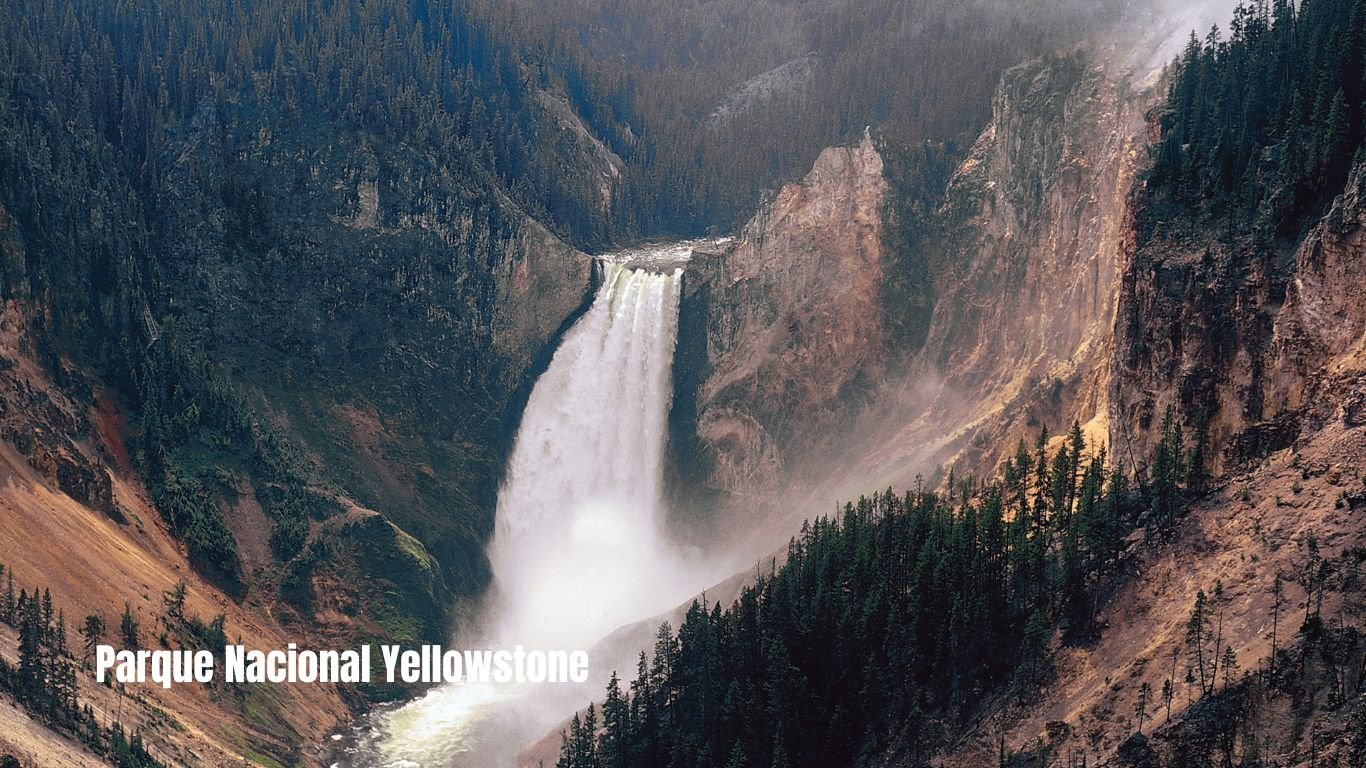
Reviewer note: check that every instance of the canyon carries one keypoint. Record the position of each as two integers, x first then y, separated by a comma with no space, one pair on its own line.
391,321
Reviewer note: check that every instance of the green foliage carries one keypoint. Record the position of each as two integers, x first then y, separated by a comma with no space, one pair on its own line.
892,623
45,682
884,626
1263,127
128,628
159,183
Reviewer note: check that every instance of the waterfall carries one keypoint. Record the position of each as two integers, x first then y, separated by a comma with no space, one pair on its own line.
577,539
578,548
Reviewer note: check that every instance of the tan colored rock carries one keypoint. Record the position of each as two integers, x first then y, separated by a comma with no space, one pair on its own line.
794,323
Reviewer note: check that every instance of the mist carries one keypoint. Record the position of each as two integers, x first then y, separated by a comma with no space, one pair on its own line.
580,556
579,548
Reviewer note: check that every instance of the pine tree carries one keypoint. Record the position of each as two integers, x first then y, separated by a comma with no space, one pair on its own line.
1335,149
128,626
1145,693
7,607
174,602
1198,634
613,752
93,631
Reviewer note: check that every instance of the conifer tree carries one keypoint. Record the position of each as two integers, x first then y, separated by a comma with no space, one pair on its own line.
128,626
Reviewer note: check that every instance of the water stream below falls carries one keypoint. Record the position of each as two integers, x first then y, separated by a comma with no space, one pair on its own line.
578,548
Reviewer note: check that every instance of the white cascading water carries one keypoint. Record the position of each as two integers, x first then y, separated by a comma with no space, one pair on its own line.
577,533
578,549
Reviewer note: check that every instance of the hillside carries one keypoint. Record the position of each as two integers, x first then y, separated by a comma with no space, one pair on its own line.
266,337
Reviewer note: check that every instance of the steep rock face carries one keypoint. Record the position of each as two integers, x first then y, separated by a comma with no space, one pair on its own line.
76,520
793,330
579,152
806,387
1025,273
1260,340
1318,350
1269,342
541,281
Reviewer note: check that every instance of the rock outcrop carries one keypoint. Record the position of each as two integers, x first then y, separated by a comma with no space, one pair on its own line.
1025,271
1262,341
792,323
807,383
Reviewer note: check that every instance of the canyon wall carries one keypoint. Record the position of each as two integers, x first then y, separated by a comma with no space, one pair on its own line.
789,323
1259,339
808,384
1054,295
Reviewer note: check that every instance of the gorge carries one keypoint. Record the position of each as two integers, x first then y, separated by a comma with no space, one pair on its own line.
1037,343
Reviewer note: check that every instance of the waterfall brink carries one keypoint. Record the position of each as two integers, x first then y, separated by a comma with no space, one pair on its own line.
578,548
577,542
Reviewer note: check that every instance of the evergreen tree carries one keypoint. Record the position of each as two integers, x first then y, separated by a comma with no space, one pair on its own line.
128,627
93,632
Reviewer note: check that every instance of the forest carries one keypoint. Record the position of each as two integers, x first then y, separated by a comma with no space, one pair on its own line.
1262,124
891,625
156,154
841,655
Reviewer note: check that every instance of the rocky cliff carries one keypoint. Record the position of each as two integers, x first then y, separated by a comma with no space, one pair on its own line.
1260,339
808,379
1265,342
1056,293
1026,263
783,335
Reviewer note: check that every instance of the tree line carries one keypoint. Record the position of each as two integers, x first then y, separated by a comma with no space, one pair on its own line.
44,680
1263,126
888,625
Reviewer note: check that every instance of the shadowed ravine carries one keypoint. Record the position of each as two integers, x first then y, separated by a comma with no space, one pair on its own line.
578,548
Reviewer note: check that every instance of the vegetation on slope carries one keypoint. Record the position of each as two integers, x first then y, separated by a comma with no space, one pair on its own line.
184,188
1261,128
887,627
44,680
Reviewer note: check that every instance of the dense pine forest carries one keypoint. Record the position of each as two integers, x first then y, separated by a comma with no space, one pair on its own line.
890,623
1262,124
143,144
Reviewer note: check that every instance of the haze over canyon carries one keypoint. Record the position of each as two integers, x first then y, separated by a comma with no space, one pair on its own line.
859,382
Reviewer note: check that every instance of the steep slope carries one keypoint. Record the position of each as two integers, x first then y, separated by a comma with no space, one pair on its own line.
784,324
1059,293
1025,269
76,520
268,326
1255,526
1011,323
1261,339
